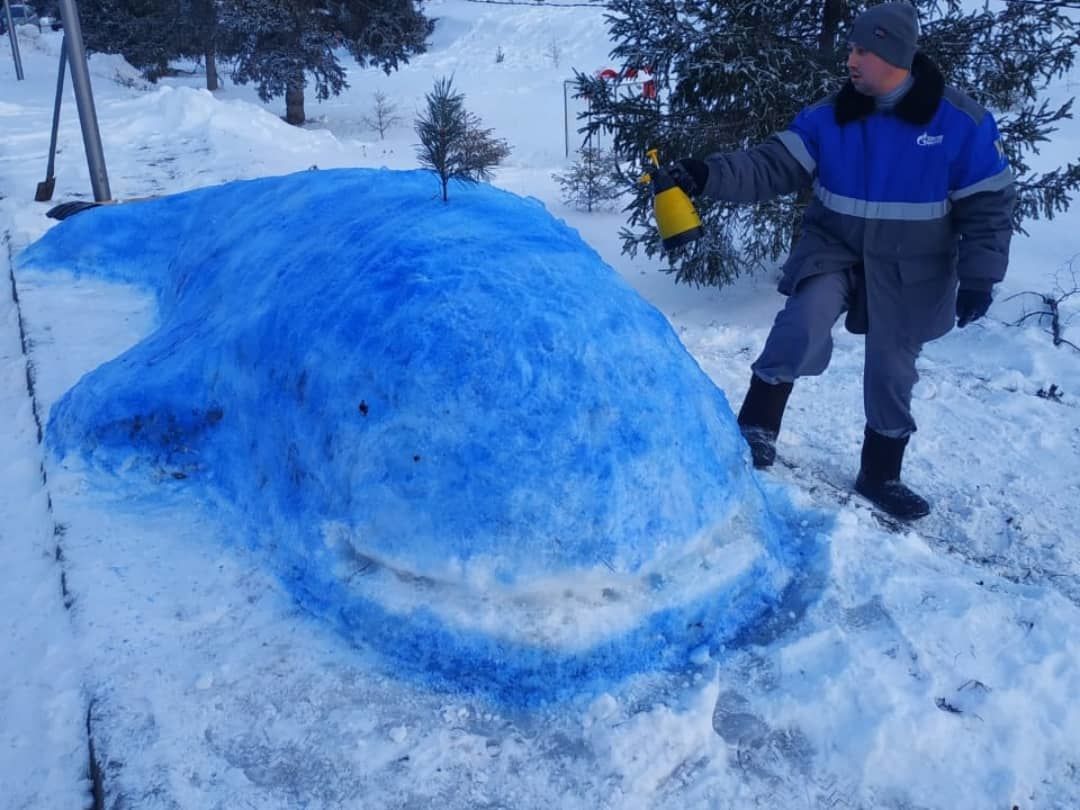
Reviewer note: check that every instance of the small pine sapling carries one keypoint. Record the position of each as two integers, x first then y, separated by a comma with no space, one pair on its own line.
453,141
383,115
592,181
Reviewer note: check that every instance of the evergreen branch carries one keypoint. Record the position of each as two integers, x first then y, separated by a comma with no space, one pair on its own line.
536,3
1048,3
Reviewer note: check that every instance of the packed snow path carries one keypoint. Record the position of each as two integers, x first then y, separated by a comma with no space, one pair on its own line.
44,759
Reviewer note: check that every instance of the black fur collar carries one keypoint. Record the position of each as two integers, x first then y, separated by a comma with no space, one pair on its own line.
917,106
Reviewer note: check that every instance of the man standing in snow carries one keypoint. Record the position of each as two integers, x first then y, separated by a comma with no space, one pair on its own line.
912,194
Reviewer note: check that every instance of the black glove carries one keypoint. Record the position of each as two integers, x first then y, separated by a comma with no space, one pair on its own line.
690,175
971,305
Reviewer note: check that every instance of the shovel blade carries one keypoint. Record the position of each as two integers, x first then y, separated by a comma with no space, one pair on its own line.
45,190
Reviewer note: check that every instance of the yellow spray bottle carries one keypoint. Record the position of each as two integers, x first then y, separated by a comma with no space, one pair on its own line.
676,218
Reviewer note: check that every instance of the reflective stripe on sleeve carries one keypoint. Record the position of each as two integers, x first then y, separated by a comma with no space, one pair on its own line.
993,183
794,144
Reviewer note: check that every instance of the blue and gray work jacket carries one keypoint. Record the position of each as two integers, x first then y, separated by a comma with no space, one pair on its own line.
921,194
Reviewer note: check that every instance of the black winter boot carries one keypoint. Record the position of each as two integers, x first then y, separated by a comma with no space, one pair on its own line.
760,416
879,477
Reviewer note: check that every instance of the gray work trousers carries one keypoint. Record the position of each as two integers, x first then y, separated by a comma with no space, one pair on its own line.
800,345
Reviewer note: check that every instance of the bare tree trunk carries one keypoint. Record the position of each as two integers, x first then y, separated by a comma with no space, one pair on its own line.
204,16
832,14
211,68
294,101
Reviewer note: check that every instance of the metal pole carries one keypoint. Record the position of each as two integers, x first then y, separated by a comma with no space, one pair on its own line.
84,99
14,42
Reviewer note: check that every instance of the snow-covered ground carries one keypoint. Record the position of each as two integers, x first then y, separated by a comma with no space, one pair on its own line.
930,669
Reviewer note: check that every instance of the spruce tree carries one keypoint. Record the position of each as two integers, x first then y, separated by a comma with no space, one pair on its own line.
454,142
280,44
150,34
733,72
147,33
592,181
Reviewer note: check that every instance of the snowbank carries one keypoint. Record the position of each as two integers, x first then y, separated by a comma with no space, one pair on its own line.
456,432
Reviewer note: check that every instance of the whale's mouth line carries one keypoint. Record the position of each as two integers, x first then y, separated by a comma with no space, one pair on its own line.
568,611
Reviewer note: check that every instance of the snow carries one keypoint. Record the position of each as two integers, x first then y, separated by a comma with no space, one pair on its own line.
933,668
393,412
42,701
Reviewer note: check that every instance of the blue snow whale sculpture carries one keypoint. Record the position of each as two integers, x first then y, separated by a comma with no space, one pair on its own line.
453,431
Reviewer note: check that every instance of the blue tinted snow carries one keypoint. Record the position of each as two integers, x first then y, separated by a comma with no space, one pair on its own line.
450,428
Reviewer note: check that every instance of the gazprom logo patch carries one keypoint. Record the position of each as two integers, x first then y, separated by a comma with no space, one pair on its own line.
926,139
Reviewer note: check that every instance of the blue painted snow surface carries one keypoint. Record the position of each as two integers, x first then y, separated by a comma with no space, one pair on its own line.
451,429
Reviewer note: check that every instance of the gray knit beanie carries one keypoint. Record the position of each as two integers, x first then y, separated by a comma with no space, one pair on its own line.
890,30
